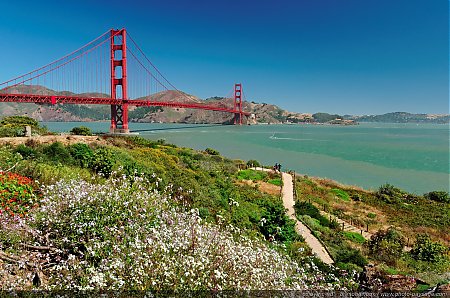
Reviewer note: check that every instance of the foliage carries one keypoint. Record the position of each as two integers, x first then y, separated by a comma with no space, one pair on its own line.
427,250
275,181
386,245
19,121
124,234
391,194
305,208
13,126
82,154
275,224
354,237
25,151
351,256
102,161
17,194
438,196
57,152
342,194
211,151
81,131
253,163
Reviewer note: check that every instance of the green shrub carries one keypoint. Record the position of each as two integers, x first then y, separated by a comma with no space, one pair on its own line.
253,163
427,250
102,161
19,121
211,151
351,255
306,208
82,153
371,215
57,152
81,131
141,142
386,245
276,181
13,126
438,196
343,195
25,151
11,132
354,237
276,223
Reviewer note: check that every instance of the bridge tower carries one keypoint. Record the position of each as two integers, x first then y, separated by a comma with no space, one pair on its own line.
119,113
238,103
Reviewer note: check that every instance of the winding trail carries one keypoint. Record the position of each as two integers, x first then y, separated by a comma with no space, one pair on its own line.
287,194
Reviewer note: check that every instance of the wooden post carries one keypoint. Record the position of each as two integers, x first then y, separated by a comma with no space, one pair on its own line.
361,231
342,226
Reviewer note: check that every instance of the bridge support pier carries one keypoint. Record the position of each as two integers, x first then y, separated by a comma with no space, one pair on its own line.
238,104
119,113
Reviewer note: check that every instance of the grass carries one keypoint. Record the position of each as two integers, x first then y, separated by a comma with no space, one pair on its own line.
342,194
354,237
252,175
276,181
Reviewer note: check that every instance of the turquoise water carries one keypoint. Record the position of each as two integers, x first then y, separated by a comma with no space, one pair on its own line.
411,156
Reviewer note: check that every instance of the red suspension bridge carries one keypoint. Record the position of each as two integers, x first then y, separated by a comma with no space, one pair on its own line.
106,71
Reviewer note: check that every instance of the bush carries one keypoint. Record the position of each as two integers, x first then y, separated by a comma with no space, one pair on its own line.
19,121
426,250
253,163
102,161
25,151
305,208
438,196
343,195
275,181
211,151
81,131
11,132
351,255
82,153
13,126
354,237
275,223
386,245
17,196
57,152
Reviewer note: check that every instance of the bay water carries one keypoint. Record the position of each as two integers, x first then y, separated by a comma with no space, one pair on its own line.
413,157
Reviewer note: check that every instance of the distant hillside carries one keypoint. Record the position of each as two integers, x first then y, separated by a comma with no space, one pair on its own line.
266,113
403,117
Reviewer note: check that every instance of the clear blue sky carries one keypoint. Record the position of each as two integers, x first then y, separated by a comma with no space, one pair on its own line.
346,56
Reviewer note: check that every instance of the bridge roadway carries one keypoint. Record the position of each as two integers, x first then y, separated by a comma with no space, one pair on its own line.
52,99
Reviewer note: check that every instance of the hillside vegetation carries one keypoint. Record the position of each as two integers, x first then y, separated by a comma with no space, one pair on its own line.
134,214
402,227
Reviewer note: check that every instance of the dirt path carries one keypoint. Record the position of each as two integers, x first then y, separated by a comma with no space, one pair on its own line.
288,201
287,194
